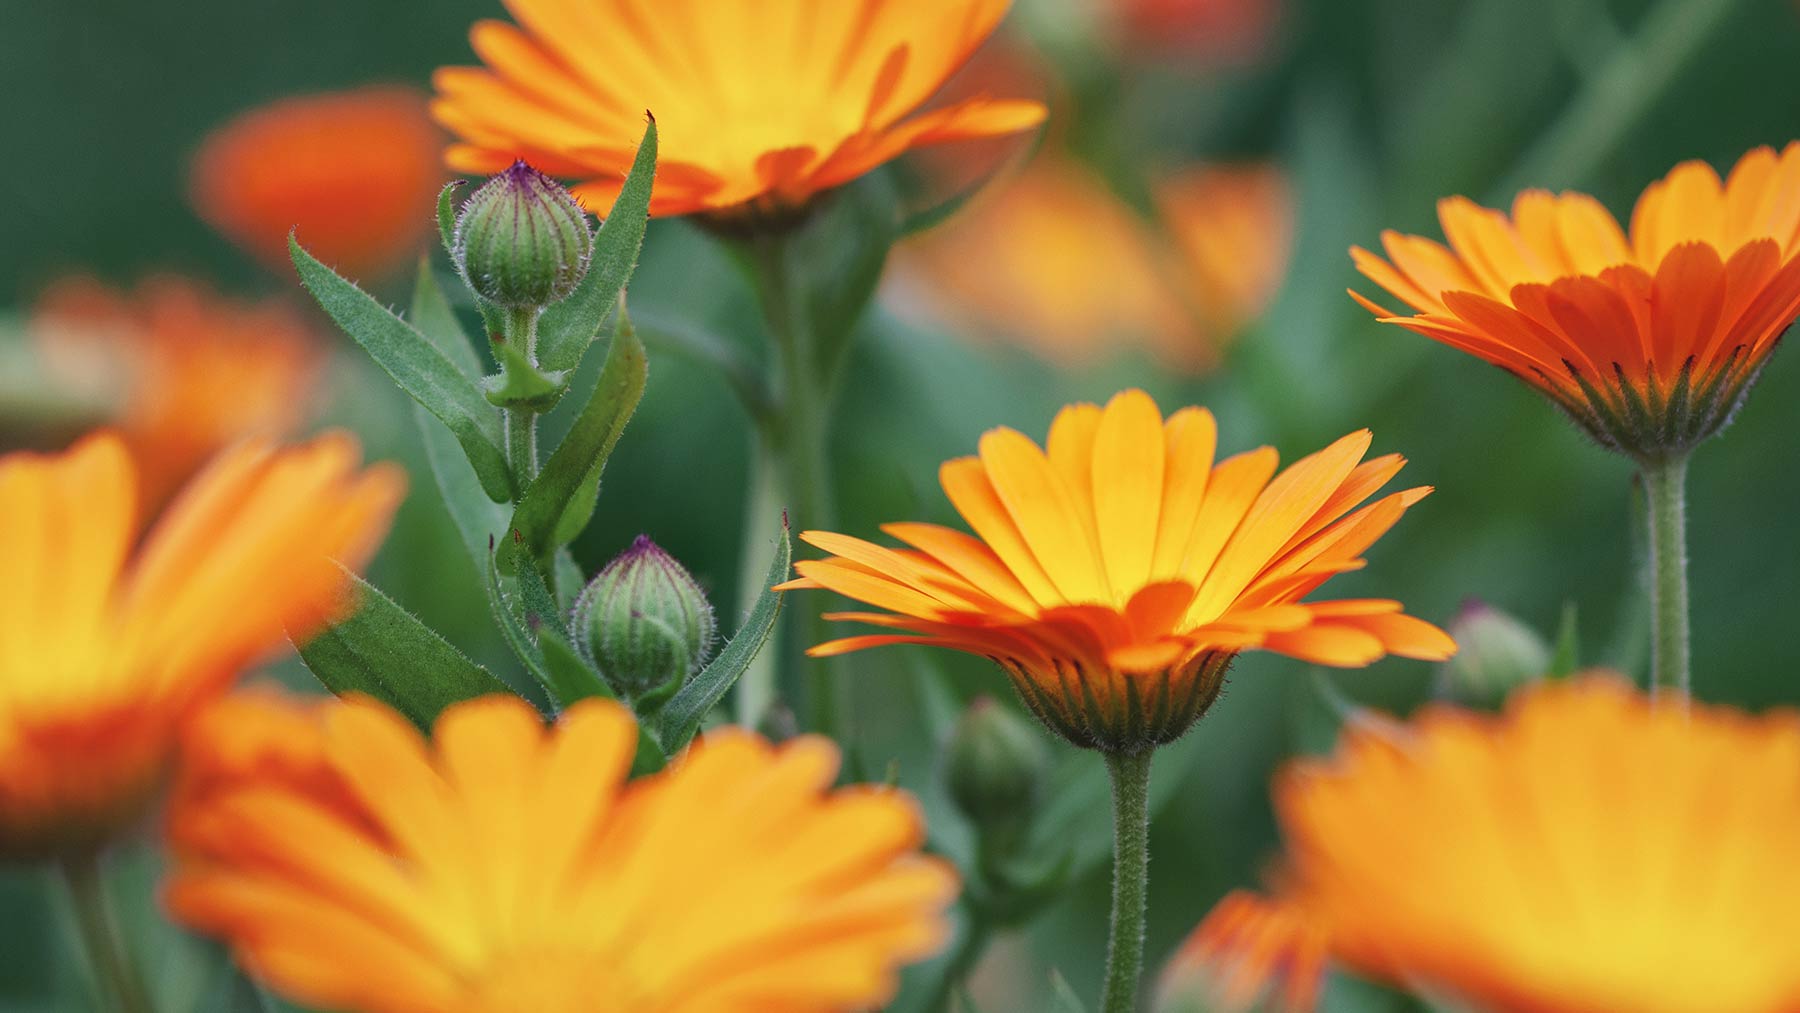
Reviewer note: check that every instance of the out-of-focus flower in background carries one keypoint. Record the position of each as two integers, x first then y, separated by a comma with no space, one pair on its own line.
1116,573
1053,260
503,866
1207,31
181,370
1252,952
1649,341
1548,858
762,105
107,645
355,172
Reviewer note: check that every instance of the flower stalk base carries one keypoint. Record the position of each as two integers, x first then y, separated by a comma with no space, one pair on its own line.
1131,876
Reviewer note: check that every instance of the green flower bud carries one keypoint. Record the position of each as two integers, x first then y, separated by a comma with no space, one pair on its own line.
521,239
645,624
995,767
1496,655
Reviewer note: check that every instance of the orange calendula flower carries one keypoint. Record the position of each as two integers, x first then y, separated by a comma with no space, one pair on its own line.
106,644
1054,260
1648,340
1250,953
508,867
355,173
759,106
186,371
1115,574
1541,861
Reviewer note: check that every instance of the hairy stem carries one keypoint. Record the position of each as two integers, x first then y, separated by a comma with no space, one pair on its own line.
1665,487
521,425
1131,874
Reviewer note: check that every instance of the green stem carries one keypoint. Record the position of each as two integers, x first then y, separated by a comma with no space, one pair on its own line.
1665,487
1131,874
797,434
976,934
756,687
120,985
521,425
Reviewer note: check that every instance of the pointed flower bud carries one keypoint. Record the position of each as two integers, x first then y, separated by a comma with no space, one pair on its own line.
1499,654
522,240
995,767
645,623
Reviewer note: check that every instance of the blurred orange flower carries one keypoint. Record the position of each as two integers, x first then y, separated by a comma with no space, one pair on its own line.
1649,341
1250,953
504,867
1054,260
762,104
1117,574
356,172
1543,859
186,371
106,644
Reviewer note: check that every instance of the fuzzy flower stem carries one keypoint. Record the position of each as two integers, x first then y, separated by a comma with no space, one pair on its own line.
1131,875
120,985
796,435
522,425
1665,487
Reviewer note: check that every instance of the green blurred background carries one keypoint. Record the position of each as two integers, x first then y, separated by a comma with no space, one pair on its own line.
1375,107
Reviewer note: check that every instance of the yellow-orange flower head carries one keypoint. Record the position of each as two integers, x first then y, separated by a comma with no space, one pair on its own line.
1584,851
1116,574
353,173
1649,341
760,106
185,371
505,868
105,648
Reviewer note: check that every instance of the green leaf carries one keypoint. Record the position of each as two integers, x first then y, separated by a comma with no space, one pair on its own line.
567,328
507,599
417,366
561,499
574,679
386,652
446,215
1063,997
477,518
680,720
434,318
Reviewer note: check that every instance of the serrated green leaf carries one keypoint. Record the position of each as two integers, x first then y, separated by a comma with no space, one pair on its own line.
436,319
680,720
417,366
386,652
561,499
567,328
446,215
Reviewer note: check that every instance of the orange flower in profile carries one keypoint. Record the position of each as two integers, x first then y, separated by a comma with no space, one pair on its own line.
1649,341
1584,851
1116,575
1250,953
759,106
355,172
504,867
1054,260
106,645
187,371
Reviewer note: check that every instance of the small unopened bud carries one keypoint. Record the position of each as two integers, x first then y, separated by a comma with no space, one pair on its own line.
522,240
1496,655
645,623
995,767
